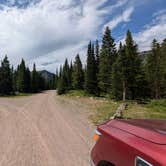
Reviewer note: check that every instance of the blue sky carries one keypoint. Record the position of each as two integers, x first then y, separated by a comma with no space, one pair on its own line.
142,16
48,31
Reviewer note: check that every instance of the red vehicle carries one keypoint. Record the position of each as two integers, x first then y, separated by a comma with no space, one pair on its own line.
130,143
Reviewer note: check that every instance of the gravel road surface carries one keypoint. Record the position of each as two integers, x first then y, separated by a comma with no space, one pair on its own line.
42,130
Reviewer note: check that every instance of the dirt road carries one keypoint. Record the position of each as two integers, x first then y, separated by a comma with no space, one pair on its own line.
42,130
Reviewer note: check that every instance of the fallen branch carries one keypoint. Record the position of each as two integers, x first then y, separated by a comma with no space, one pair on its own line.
119,112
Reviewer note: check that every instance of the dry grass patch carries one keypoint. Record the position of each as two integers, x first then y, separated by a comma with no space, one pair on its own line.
101,109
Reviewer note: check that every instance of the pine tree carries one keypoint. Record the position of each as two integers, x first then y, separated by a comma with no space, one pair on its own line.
42,83
119,75
64,81
128,79
107,58
53,83
56,79
5,77
163,67
61,90
21,77
71,76
60,71
61,83
133,68
27,80
66,75
34,80
97,56
91,71
154,70
13,80
16,78
78,74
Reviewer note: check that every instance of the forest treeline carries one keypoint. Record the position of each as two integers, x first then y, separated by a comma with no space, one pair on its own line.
118,73
21,80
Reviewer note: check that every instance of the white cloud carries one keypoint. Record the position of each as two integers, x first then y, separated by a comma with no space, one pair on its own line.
124,17
157,29
50,27
50,30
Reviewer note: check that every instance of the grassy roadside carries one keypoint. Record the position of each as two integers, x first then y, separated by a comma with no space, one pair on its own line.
102,109
76,93
17,95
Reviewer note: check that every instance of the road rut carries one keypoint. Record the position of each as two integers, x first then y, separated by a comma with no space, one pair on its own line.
41,130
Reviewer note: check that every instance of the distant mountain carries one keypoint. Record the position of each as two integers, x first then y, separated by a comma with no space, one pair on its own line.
46,74
143,54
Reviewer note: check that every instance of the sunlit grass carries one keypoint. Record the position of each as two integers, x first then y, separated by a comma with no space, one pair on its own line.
102,109
155,109
76,93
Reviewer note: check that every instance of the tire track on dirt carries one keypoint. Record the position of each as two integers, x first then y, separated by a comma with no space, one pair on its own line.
42,132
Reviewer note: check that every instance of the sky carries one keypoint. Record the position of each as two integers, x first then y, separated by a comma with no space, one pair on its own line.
46,32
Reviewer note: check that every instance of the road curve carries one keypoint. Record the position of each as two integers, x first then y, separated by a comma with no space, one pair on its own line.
41,130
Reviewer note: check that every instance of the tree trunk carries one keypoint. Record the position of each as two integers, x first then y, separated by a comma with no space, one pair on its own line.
124,91
157,91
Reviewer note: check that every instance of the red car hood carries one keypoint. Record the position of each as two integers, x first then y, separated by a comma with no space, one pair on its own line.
150,130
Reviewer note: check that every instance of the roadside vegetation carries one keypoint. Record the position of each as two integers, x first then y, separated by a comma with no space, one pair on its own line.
76,93
21,81
15,95
112,76
154,109
101,109
118,74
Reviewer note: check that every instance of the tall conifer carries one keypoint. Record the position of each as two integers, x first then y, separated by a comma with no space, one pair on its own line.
91,72
6,86
107,58
78,74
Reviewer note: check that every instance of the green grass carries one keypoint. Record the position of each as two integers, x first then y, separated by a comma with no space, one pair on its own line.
159,105
18,95
101,109
104,111
75,93
155,109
